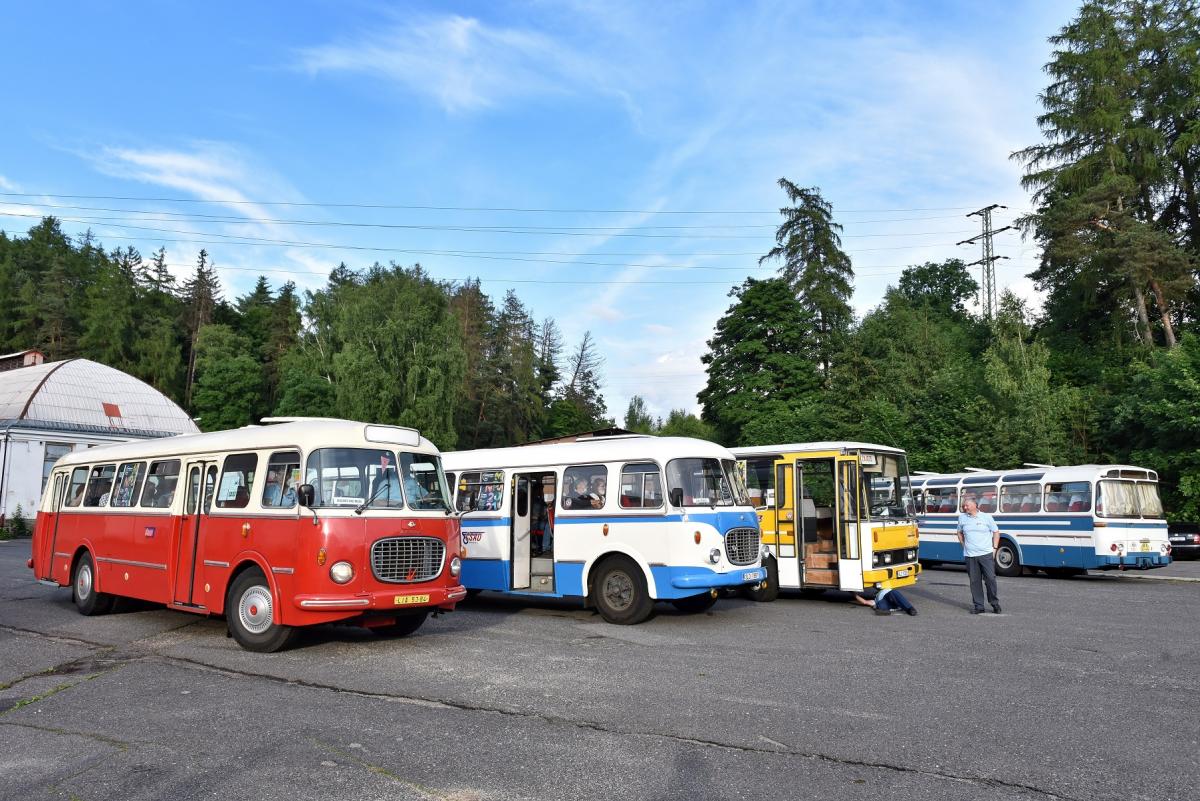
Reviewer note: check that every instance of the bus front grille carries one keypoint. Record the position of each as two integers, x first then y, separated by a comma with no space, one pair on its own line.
741,545
407,560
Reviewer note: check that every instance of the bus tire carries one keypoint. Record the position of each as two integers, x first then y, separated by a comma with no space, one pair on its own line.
695,604
249,611
403,626
619,592
1008,562
83,588
768,590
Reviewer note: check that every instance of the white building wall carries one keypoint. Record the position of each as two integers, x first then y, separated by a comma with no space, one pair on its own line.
23,458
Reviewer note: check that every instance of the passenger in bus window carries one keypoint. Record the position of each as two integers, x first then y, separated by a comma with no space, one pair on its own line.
599,489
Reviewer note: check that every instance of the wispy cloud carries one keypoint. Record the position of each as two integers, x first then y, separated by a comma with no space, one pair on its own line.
463,63
8,186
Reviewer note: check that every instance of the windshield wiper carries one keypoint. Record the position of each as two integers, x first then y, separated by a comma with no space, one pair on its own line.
358,510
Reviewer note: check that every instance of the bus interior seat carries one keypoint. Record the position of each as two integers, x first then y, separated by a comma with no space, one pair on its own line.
947,504
808,519
1077,504
1029,503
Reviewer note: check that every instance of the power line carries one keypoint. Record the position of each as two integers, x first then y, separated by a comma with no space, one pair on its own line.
417,207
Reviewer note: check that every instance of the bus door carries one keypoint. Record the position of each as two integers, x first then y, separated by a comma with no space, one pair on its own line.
201,485
46,558
522,524
788,549
814,498
849,528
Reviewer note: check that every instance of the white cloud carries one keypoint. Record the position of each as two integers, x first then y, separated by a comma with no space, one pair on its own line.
463,63
8,186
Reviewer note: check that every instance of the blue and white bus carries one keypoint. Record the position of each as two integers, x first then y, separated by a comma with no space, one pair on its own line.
540,520
1063,520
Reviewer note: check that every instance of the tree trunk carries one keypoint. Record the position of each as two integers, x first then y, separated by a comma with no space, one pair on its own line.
1143,327
1168,329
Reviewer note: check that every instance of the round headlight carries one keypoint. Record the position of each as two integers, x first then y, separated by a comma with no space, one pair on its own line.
341,572
912,555
714,555
455,566
887,558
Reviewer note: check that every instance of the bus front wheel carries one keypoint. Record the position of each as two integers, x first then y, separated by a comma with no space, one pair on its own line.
1008,563
250,612
768,590
619,592
83,588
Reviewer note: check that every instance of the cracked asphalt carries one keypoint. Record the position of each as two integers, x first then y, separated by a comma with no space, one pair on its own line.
1083,689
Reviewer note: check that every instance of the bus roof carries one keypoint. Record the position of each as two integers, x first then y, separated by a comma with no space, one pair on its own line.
584,451
1059,473
795,447
304,433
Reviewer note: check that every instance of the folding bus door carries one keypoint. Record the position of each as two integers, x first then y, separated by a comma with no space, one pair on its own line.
849,524
50,538
188,545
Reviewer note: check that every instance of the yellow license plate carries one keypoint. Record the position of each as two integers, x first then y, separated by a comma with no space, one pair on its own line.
1145,545
404,600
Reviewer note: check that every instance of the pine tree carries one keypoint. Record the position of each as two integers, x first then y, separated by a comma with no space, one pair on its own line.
201,296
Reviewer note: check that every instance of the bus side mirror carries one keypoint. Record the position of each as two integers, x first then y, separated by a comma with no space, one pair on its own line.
677,496
307,495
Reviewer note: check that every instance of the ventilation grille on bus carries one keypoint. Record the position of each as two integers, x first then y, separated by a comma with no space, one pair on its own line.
407,560
741,545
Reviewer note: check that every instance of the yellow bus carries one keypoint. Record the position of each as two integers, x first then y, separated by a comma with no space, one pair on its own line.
856,527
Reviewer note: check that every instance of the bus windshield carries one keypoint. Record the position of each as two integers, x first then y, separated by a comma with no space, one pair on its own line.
885,476
704,482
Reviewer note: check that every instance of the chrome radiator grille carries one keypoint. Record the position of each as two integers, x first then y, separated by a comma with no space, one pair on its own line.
741,545
407,560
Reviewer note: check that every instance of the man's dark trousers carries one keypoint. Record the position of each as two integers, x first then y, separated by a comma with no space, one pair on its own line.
982,573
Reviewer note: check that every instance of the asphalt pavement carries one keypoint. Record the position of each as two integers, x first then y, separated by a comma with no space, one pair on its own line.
1082,689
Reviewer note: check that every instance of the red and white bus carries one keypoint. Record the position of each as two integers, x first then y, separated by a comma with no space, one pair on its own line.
297,522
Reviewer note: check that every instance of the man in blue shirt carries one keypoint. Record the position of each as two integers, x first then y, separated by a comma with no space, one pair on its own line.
979,536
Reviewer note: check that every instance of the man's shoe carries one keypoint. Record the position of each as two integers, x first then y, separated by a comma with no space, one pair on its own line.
911,612
977,611
996,608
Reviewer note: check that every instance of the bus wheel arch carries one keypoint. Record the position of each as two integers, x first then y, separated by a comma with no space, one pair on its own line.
252,610
591,566
1008,558
85,585
619,590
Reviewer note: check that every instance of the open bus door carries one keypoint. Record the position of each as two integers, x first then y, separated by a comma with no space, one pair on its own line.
848,517
788,553
522,525
45,559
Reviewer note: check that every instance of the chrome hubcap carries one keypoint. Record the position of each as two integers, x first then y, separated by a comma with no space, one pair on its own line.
83,582
254,609
1004,557
618,590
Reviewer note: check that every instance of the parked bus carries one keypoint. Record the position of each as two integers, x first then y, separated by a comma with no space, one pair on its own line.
1063,520
294,523
540,521
856,527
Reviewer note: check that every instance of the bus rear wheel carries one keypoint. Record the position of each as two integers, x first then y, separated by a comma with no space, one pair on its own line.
695,604
1008,563
250,612
768,590
403,626
619,592
83,588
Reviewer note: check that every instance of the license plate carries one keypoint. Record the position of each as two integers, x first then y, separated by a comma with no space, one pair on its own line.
404,600
752,575
901,573
1145,545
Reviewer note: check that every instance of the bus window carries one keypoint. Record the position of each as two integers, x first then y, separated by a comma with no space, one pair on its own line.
354,476
160,484
1148,501
78,480
885,477
128,484
236,478
1021,498
423,485
941,500
1069,496
760,480
99,485
585,486
641,486
480,491
985,497
283,476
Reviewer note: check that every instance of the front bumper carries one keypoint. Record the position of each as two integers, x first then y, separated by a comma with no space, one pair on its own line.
393,600
892,576
1185,550
701,579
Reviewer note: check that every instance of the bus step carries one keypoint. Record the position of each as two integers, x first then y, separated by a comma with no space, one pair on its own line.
542,566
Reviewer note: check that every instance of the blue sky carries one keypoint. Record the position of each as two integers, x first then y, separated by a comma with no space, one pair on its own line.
619,121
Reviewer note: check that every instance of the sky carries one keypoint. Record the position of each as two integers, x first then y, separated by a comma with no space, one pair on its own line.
613,163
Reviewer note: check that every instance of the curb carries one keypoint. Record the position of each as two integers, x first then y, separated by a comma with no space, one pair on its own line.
1180,579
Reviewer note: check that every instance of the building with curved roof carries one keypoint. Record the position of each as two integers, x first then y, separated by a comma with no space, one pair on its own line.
49,410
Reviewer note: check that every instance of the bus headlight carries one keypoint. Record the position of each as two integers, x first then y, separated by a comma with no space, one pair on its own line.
887,558
714,555
341,572
875,559
912,555
455,566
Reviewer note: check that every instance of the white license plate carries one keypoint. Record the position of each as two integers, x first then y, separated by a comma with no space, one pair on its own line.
901,573
752,575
